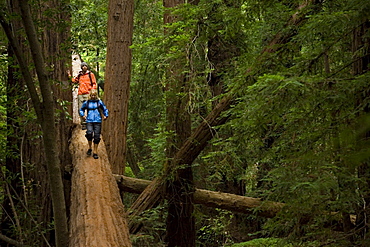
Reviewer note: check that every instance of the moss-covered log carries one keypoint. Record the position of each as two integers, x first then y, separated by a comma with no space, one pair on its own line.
235,203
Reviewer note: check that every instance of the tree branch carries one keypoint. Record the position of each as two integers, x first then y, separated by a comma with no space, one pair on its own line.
11,241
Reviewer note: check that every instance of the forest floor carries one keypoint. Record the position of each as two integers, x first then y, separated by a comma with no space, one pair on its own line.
97,215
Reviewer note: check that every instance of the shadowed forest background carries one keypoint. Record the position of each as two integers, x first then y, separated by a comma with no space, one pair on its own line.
266,100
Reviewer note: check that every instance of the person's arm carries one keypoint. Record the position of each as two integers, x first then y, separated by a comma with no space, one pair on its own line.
73,79
82,110
93,79
104,108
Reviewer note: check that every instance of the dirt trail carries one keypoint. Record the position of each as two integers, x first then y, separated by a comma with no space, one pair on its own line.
98,217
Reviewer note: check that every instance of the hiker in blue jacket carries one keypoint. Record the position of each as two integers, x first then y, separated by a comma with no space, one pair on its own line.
95,110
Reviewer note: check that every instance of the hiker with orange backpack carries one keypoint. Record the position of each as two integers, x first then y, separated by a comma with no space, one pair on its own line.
86,81
93,111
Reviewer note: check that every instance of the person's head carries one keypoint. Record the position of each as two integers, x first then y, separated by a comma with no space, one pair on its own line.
93,94
84,66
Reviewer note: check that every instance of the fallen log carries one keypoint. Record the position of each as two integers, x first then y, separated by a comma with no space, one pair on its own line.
97,217
231,202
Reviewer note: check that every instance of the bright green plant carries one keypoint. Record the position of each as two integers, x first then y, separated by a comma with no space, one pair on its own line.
263,242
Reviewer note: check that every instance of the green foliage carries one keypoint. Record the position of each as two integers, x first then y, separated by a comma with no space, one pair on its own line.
297,131
276,242
89,27
213,231
264,242
154,164
153,230
146,106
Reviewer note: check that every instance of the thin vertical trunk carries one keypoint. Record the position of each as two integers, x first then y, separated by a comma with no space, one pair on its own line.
361,65
180,225
222,49
54,39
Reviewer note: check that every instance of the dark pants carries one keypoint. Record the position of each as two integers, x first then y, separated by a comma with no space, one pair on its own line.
93,131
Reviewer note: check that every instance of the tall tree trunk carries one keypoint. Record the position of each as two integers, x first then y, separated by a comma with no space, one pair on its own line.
180,224
117,81
55,43
221,49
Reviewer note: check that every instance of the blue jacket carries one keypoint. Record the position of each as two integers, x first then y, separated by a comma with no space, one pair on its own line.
93,113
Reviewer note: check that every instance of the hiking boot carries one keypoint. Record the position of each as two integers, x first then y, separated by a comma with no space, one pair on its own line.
89,152
95,156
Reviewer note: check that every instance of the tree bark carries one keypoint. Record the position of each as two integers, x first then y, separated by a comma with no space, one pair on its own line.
98,217
117,80
227,201
31,150
149,198
132,162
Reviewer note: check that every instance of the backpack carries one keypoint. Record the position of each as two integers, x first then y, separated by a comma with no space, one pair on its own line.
99,109
89,73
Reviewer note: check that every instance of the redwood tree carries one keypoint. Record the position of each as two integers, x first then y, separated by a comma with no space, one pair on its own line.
117,81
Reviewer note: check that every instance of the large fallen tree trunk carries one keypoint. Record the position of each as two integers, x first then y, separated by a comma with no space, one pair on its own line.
205,131
231,202
97,215
227,201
